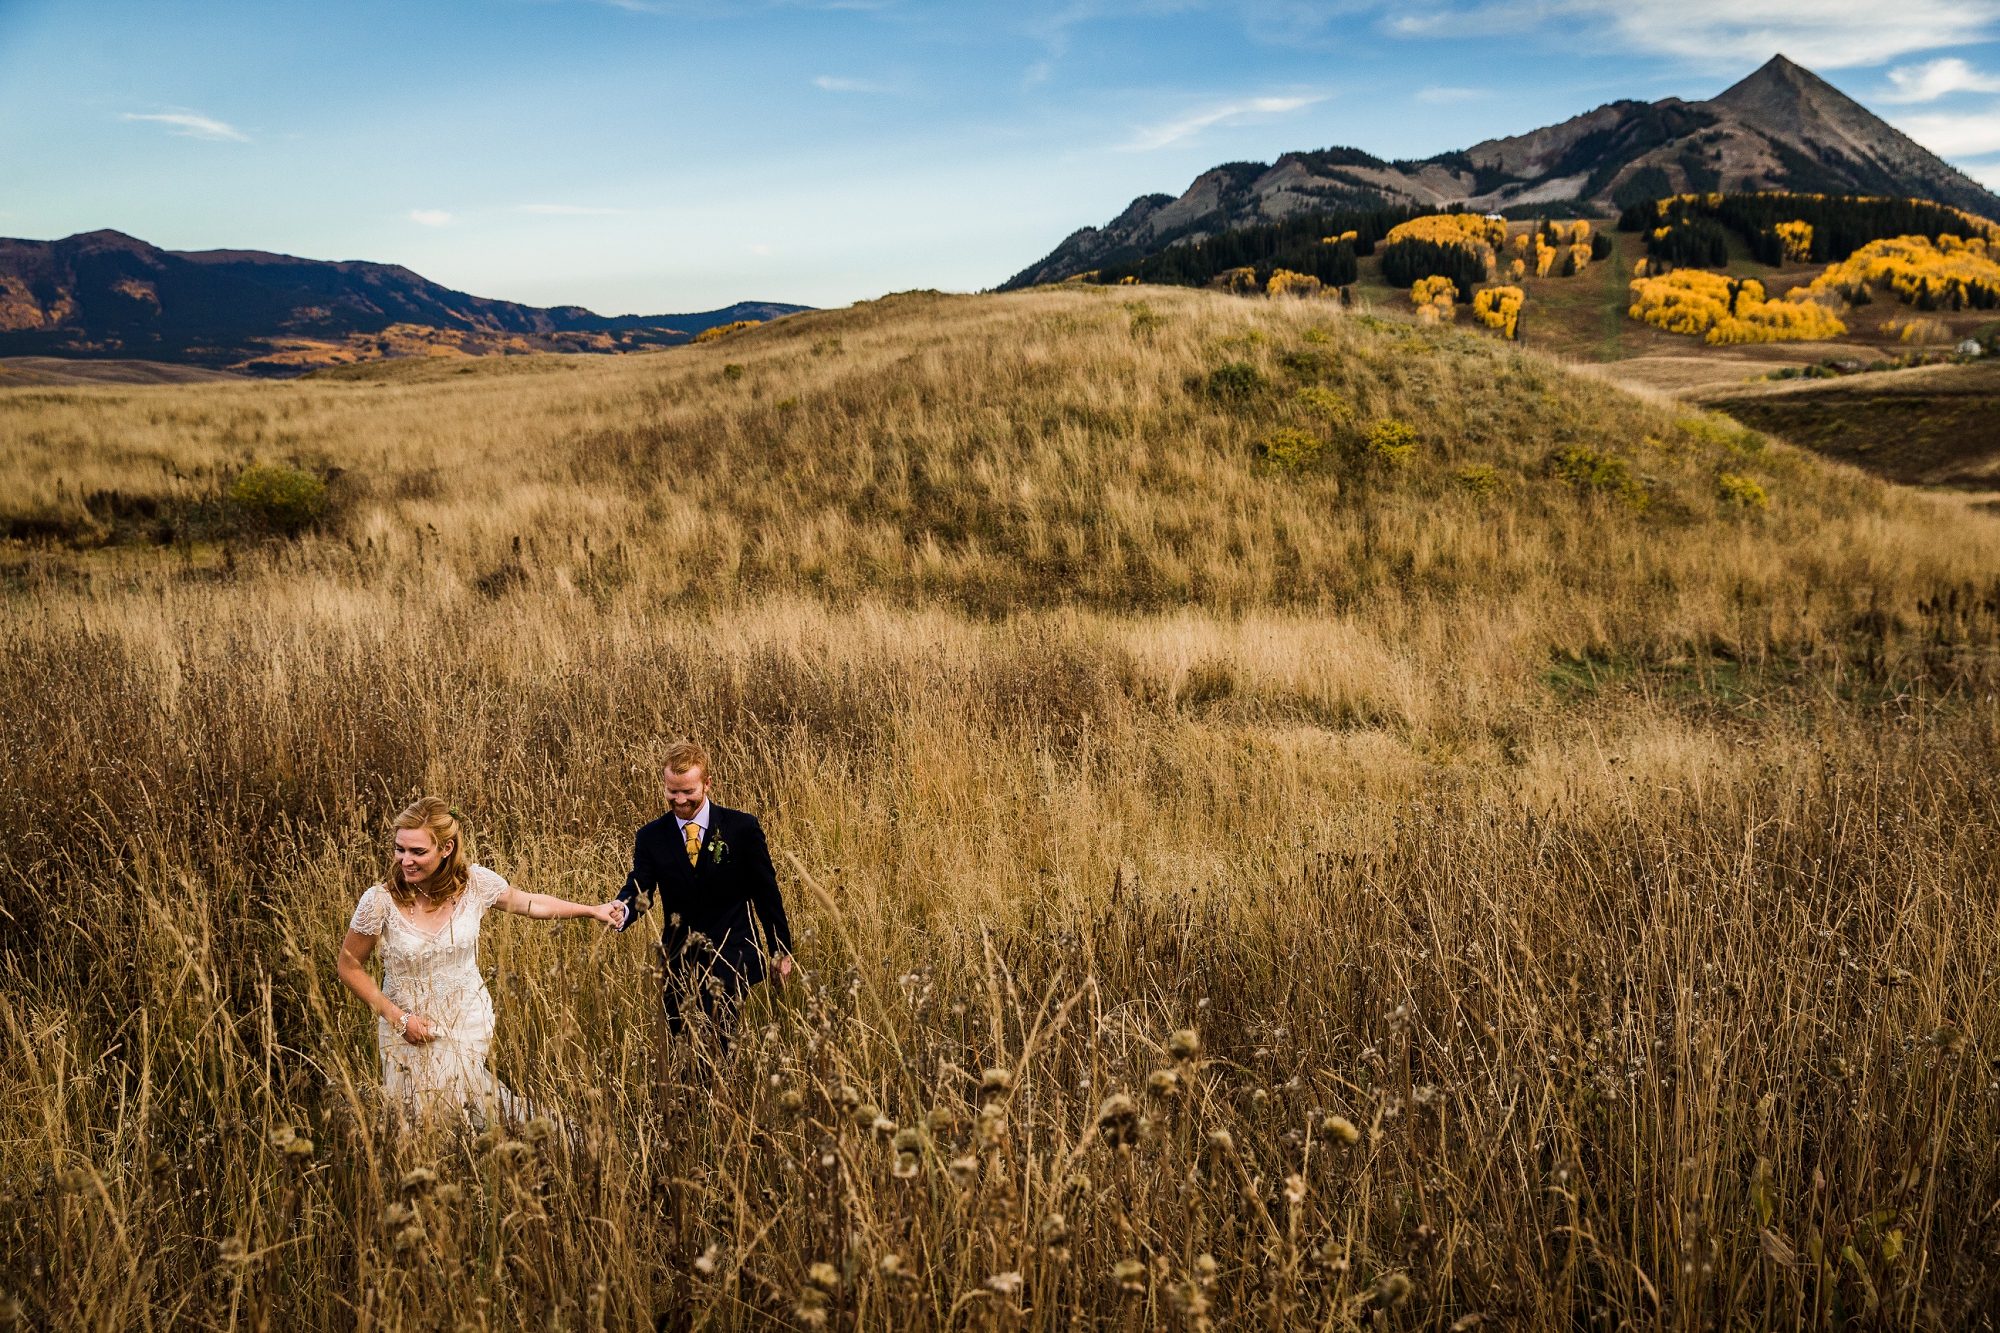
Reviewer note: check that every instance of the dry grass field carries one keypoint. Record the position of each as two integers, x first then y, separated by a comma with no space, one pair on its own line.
1256,867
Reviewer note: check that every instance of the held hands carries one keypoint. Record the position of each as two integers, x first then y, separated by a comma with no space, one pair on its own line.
611,914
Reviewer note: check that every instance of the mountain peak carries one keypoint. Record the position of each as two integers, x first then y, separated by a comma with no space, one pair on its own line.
1779,86
1781,128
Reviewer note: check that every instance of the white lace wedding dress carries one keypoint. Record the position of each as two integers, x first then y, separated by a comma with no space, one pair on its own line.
435,975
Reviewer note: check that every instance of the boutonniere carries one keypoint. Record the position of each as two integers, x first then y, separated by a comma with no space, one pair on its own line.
717,849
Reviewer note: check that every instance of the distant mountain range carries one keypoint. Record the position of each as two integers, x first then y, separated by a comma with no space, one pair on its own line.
104,294
1782,128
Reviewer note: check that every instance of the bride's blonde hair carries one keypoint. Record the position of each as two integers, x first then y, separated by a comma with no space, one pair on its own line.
431,812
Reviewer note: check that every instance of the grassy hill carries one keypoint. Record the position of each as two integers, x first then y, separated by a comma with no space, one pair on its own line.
1578,874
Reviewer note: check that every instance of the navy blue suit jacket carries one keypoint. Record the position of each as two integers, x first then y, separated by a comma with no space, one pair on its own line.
715,896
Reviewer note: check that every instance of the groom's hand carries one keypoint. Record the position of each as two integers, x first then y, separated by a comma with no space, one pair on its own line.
784,968
612,914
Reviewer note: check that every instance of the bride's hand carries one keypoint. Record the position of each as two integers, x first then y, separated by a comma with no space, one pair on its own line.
419,1030
611,914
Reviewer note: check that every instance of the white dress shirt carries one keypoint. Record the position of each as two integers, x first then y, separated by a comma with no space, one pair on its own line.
700,821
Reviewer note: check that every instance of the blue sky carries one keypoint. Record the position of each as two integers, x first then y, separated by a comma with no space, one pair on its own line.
655,156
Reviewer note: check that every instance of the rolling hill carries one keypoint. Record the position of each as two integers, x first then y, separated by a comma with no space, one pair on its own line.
1783,127
106,295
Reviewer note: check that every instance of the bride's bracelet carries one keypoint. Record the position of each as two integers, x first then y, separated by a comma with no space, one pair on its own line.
403,1024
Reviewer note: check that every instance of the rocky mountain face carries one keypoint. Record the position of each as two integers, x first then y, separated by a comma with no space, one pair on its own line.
104,294
1782,128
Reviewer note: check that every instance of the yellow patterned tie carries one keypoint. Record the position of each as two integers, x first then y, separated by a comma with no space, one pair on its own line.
693,832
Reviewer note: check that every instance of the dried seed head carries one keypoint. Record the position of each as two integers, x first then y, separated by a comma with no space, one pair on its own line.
908,1140
1340,1127
883,1127
1118,1120
1295,1190
992,1126
1184,1044
1221,1140
1393,1289
892,1265
941,1118
410,1236
824,1276
847,1097
160,1164
395,1214
866,1114
709,1260
1187,1300
791,1101
449,1194
282,1136
1205,1268
512,1151
1163,1082
965,1170
996,1080
419,1179
811,1309
1005,1283
299,1147
907,1166
539,1130
232,1251
1055,1228
1130,1275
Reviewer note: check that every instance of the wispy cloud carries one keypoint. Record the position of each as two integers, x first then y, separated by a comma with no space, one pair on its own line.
563,211
1829,34
430,217
1173,131
833,84
1442,95
192,125
1935,79
1955,136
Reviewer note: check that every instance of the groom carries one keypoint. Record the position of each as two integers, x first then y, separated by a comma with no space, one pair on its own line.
710,870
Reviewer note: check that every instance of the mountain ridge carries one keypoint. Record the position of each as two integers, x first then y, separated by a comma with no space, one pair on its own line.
1781,127
107,295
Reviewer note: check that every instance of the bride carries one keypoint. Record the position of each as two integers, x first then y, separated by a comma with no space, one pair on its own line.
433,1017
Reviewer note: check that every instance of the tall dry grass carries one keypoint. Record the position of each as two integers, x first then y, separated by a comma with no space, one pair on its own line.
1592,923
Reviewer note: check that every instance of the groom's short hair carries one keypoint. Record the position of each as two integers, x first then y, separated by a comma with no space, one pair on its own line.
684,754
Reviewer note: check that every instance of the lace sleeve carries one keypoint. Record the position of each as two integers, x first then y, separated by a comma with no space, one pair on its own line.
483,886
368,913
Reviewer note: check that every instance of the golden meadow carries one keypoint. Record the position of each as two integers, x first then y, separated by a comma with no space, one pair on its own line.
1247,876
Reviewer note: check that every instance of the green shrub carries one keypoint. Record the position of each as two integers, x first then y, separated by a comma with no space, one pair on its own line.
1587,470
1321,402
1742,490
1145,319
1392,441
1480,479
1292,450
1235,381
281,498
